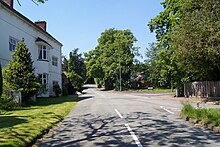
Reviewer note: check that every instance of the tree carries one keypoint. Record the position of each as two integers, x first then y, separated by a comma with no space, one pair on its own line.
1,81
19,74
197,40
164,25
76,70
64,64
113,57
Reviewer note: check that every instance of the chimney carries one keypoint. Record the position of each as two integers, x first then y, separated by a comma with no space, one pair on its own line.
42,25
10,3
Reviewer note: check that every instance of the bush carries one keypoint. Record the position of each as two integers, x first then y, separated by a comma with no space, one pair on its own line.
7,104
64,91
76,81
211,115
57,90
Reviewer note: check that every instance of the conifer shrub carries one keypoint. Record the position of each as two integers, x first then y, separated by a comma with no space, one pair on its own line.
19,74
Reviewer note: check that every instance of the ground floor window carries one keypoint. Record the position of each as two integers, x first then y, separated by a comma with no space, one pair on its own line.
44,79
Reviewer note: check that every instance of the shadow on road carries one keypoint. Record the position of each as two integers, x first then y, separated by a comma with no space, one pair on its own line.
108,130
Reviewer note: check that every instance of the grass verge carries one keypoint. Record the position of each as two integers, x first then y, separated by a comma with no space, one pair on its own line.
22,126
206,115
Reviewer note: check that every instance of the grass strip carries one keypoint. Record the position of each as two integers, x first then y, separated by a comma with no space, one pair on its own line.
206,115
22,126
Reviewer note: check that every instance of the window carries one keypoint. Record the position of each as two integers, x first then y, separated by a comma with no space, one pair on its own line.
12,43
42,52
44,79
54,61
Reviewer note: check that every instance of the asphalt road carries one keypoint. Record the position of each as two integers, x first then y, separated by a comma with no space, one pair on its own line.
128,120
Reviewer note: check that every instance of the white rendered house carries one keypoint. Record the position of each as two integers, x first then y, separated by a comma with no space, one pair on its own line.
45,49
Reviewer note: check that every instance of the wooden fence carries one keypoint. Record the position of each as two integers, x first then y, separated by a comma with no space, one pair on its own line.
202,89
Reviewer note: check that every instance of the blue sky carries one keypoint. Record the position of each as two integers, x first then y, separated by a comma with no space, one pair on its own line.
79,23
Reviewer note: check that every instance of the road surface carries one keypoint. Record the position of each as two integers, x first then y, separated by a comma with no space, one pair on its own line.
113,119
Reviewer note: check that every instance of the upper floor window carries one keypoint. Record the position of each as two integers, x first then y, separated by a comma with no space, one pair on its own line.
42,52
54,61
12,43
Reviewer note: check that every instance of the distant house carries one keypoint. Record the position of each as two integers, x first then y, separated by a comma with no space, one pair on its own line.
45,49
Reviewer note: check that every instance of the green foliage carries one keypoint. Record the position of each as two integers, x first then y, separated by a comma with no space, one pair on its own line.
1,81
187,33
76,81
57,89
19,75
115,51
164,66
197,40
64,91
211,116
76,70
7,104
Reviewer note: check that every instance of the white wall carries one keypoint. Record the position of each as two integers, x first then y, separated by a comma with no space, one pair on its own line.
13,26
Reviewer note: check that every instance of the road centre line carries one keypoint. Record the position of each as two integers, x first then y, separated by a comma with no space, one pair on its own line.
130,131
119,114
133,136
166,110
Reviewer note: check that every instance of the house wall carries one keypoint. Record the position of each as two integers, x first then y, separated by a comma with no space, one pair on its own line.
16,27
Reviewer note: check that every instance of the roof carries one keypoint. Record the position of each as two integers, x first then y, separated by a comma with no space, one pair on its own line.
29,21
40,40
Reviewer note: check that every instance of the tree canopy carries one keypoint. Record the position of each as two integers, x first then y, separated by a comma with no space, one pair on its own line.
113,55
197,40
187,33
76,69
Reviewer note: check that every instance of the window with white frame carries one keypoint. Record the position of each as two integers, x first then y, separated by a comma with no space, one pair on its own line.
42,52
12,43
43,79
54,61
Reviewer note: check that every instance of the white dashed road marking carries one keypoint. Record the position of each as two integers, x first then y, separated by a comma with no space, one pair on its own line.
167,110
133,136
119,114
130,131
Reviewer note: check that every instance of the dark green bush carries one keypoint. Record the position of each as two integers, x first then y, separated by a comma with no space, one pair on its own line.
64,91
57,90
8,104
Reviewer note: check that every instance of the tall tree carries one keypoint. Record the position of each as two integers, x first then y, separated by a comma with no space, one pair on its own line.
164,25
113,57
198,40
19,74
76,70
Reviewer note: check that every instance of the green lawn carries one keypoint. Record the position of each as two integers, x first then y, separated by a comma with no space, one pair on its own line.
22,126
206,115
